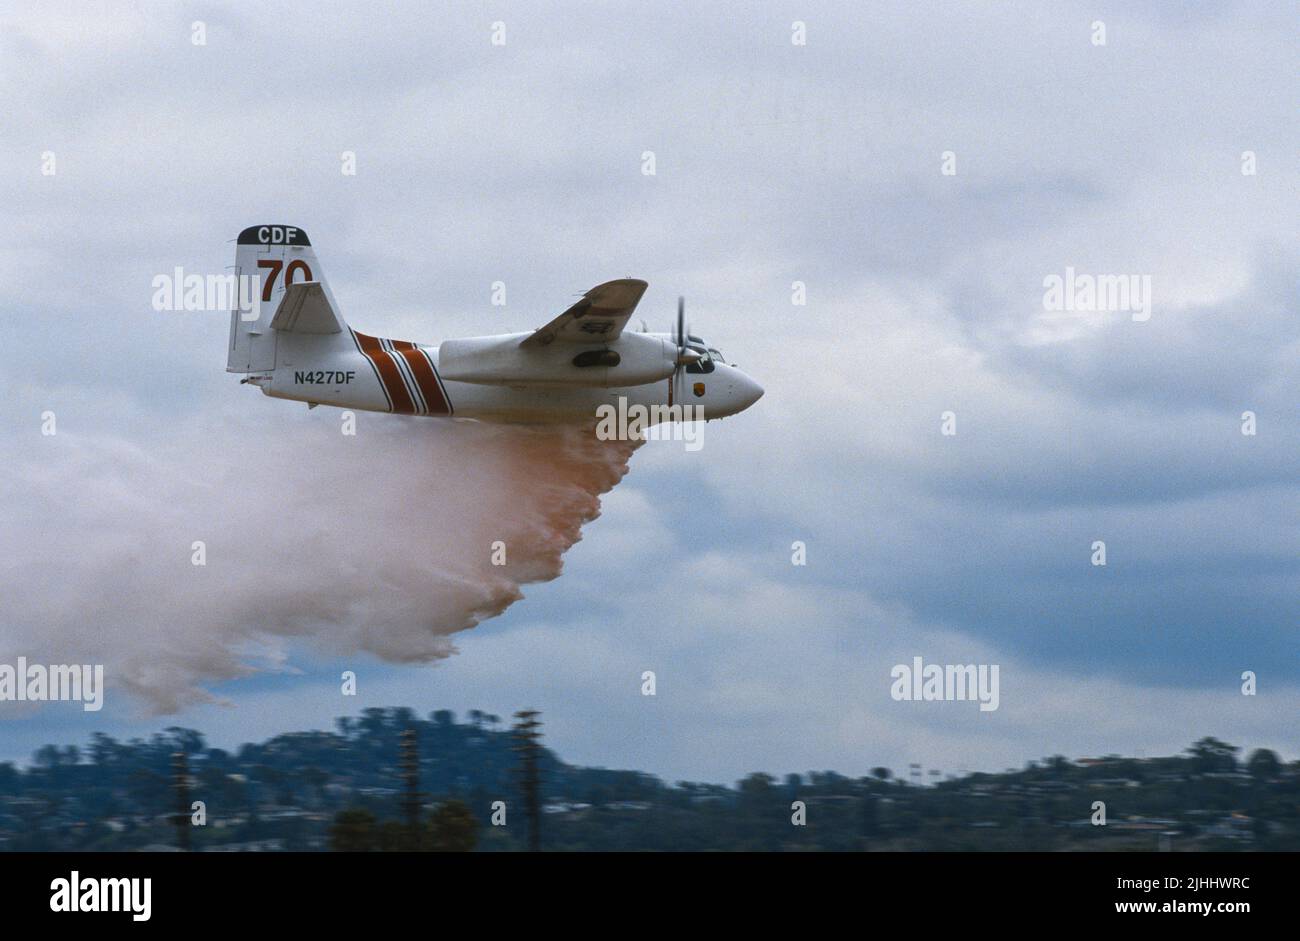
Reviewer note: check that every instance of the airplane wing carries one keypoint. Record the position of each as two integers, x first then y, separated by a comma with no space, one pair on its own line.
599,317
305,309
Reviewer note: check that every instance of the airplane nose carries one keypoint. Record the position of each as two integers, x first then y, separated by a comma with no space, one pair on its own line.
749,390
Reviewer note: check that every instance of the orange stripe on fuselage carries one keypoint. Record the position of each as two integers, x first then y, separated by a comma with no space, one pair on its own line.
423,372
388,374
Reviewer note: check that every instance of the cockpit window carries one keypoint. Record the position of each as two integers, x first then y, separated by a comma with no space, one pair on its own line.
717,355
703,364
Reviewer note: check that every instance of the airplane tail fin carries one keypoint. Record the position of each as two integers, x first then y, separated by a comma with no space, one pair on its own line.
268,260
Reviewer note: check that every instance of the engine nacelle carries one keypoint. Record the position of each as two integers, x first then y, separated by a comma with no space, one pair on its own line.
633,359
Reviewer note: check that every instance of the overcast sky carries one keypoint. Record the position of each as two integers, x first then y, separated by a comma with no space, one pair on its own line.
775,162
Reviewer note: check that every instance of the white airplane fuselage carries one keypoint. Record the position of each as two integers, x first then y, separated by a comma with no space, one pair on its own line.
377,378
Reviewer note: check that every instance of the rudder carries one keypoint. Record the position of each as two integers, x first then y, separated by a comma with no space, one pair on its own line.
273,257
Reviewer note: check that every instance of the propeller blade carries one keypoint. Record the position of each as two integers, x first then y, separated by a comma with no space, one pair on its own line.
674,390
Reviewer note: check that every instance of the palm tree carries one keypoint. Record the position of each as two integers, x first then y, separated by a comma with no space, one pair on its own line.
408,762
528,734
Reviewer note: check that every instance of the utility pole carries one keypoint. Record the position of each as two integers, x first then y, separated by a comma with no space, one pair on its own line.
409,764
181,785
528,734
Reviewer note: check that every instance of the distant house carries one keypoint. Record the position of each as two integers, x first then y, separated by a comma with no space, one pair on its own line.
1052,787
278,812
1236,777
565,807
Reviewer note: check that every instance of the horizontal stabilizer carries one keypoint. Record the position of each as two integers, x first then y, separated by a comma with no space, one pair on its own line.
306,309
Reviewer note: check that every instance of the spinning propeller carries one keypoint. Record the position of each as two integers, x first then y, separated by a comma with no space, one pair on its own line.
685,355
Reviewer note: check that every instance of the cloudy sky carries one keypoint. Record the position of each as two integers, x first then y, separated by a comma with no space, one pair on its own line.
775,162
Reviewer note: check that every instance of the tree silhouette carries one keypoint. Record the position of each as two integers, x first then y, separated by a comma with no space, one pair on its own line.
181,784
409,763
527,733
1210,754
452,828
1264,764
353,832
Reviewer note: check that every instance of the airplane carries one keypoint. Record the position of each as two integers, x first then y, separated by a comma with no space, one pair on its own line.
293,343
